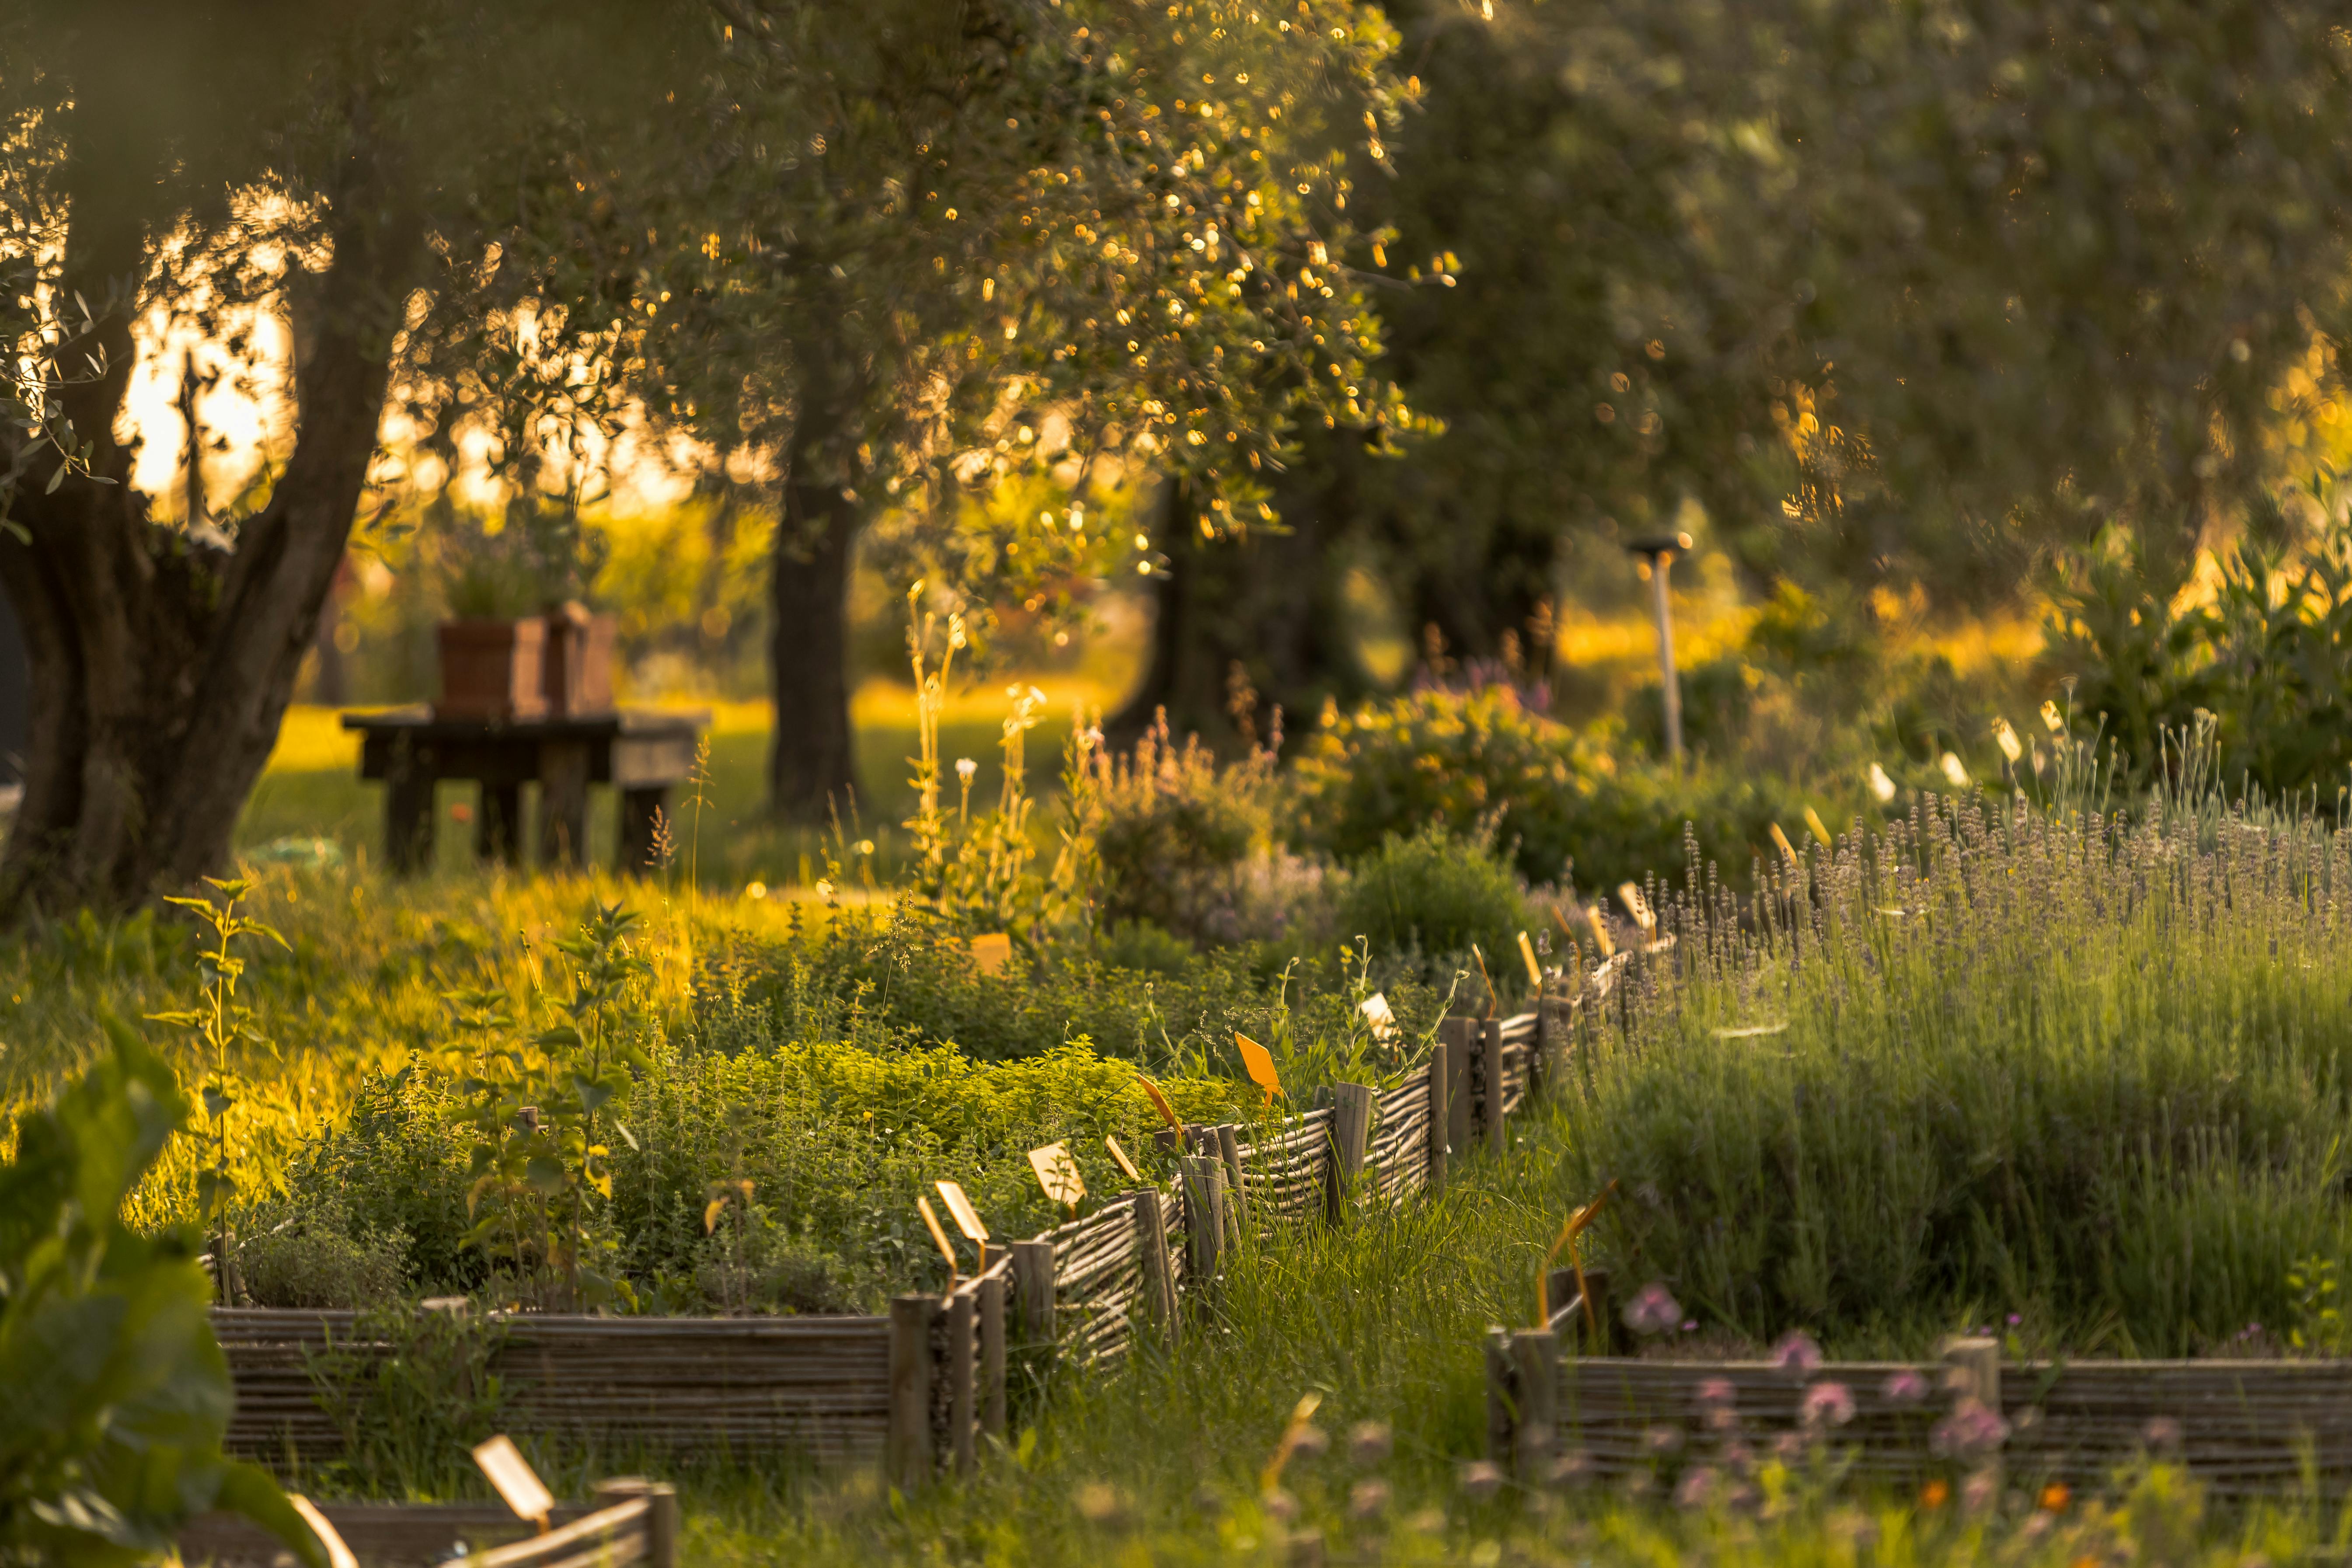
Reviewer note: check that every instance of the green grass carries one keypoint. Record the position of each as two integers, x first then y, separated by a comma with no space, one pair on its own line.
311,788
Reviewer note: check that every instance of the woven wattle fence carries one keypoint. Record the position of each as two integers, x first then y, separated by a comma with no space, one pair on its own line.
2242,1428
817,1386
924,1384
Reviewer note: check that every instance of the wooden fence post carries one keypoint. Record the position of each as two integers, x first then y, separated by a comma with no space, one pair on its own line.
1535,1383
991,1355
1440,1078
1205,1216
907,1458
1458,1034
1032,1280
1500,1437
1973,1372
1229,1149
1351,1130
661,1514
1491,1061
963,1404
1151,1242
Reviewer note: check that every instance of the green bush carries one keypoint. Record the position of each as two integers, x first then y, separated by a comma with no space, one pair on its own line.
1434,894
1558,804
118,1395
2095,1076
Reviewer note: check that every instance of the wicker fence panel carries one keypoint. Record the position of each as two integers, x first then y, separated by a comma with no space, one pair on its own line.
1098,1281
1397,1164
813,1385
2242,1427
1283,1174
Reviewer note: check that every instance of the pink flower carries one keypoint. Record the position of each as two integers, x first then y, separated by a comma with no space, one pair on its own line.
1663,1439
1797,1353
1827,1404
1969,1430
1714,1391
1696,1487
1652,1310
1904,1387
2162,1433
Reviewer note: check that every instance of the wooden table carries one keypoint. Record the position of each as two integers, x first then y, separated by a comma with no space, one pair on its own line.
642,754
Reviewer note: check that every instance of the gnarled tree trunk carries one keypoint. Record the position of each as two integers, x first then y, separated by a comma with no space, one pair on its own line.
812,756
161,666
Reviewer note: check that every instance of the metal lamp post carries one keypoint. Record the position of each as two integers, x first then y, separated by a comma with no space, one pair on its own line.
1660,551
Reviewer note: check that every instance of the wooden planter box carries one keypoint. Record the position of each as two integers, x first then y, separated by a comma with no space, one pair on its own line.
579,663
493,671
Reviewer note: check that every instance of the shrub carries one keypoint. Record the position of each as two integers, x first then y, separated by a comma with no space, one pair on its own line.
1555,803
1434,894
2097,1075
315,1259
1170,837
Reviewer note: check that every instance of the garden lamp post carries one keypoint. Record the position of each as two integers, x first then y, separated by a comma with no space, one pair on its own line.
1659,552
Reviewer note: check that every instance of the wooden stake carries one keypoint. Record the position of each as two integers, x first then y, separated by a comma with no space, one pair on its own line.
907,1456
1033,1283
1351,1126
1441,1077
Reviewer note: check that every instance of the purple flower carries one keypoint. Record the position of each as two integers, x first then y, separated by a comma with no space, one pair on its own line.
1571,1469
2162,1433
2015,1318
1904,1387
1696,1487
1827,1404
1652,1310
1690,1325
1739,1457
1789,1447
1797,1353
1969,1430
1715,1392
1663,1439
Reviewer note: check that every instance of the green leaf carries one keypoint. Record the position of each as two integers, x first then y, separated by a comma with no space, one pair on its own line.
57,479
545,1175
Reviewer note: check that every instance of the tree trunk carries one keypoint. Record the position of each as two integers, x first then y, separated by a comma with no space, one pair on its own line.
162,668
1260,615
812,757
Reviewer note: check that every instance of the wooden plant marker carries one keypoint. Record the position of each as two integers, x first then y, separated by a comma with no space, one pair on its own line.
1118,1157
1159,1103
1568,1235
1300,1414
1601,938
515,1481
1638,907
1494,1003
1259,1062
1379,1015
967,1218
338,1554
939,1237
1057,1174
1528,956
1781,839
1813,825
992,952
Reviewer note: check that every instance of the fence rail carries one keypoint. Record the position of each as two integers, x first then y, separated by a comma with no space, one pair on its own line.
925,1384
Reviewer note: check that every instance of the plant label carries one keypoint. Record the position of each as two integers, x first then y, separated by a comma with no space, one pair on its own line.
338,1554
1637,906
1057,1174
959,1209
1160,1103
1259,1062
992,952
939,1237
1601,931
1119,1156
1528,956
515,1481
1379,1015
